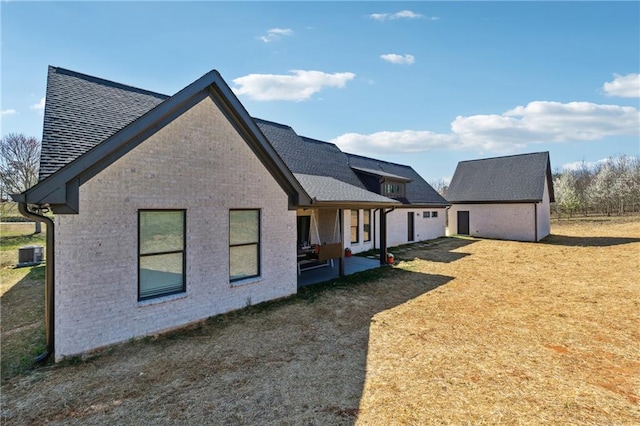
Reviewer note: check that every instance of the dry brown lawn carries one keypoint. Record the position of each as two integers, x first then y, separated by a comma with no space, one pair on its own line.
458,332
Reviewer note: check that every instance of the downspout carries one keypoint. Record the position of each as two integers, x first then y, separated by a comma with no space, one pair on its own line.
49,282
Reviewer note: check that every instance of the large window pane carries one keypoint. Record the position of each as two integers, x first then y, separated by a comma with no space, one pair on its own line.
243,262
244,244
161,274
354,226
366,225
161,238
161,231
244,227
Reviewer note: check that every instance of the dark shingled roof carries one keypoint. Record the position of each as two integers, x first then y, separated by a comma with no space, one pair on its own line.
81,111
308,156
515,178
328,189
418,191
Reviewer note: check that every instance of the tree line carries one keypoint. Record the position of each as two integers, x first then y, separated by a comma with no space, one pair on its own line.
607,187
610,187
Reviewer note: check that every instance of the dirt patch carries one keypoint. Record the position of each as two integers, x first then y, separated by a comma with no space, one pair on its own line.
459,332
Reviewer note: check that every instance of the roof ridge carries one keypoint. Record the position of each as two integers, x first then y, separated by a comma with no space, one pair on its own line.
105,82
379,160
273,123
505,156
314,140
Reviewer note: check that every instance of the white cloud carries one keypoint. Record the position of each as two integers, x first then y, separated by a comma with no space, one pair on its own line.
625,86
299,86
394,58
276,34
388,142
537,122
403,14
8,112
39,106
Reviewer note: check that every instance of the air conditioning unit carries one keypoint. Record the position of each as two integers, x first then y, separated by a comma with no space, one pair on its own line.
30,255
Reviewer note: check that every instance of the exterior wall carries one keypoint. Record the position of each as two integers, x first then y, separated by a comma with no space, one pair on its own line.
425,228
499,221
397,227
198,163
544,214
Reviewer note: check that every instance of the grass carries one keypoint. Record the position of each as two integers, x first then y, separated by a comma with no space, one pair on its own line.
15,235
21,301
458,332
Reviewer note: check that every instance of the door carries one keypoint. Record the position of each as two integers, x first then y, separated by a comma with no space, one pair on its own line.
463,222
410,226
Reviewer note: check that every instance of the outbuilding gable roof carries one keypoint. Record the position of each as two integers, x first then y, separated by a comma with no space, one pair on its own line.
66,170
418,191
514,178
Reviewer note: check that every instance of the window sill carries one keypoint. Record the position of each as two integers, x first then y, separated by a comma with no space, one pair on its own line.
161,299
245,281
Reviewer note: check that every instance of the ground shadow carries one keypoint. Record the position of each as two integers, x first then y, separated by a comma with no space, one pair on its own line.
441,250
572,241
301,360
22,327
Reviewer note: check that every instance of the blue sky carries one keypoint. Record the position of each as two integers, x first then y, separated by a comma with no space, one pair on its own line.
421,83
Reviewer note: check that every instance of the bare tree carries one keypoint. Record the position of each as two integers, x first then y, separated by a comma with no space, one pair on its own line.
19,162
441,186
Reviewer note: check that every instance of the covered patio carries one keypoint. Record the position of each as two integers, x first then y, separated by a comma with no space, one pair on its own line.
352,265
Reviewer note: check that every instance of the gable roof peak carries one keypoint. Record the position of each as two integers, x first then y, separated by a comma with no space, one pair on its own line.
500,157
507,179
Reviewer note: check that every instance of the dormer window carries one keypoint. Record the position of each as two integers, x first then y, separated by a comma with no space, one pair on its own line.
393,189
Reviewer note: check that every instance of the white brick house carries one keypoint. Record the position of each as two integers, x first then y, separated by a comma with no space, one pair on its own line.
159,198
170,210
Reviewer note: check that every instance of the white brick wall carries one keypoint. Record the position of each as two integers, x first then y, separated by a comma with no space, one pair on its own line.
424,228
500,221
198,163
544,214
505,221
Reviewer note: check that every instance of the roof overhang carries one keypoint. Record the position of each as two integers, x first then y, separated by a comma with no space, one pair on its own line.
496,202
350,205
60,191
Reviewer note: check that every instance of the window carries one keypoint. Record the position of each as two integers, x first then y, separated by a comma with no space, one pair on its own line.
366,225
434,214
161,253
354,226
393,189
244,244
426,214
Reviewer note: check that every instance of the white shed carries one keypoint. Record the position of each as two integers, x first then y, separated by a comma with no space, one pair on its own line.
503,197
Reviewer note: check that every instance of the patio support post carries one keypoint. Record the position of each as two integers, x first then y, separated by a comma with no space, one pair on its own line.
341,259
